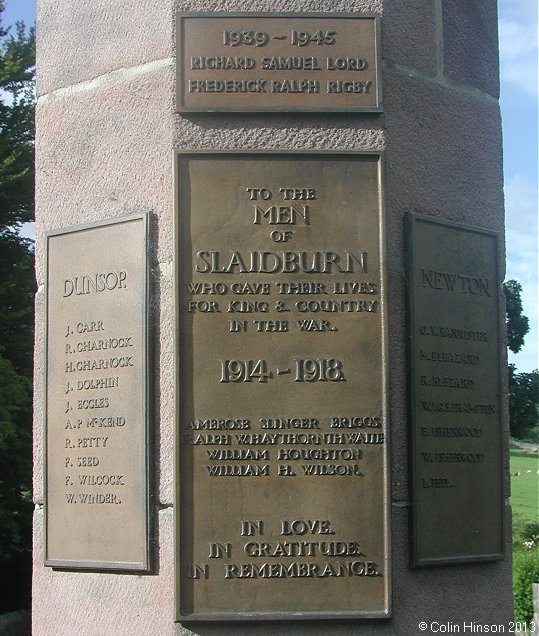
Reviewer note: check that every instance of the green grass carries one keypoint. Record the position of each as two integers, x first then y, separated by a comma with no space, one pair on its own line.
525,485
525,503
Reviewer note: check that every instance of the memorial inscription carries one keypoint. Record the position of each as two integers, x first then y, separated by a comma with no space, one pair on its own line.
96,397
282,475
278,62
455,401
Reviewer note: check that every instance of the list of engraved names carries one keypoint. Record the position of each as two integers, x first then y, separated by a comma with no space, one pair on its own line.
282,414
96,361
278,62
455,375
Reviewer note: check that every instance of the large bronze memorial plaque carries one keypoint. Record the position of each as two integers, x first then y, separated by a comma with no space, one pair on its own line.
455,397
278,62
282,484
96,502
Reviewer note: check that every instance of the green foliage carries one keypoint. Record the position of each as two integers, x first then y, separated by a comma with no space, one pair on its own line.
15,461
523,387
17,60
531,436
523,528
525,573
518,324
17,287
523,401
525,504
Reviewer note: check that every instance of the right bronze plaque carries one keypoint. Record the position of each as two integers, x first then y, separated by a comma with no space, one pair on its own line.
282,476
455,393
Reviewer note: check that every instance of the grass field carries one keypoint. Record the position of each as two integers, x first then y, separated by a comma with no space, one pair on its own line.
525,484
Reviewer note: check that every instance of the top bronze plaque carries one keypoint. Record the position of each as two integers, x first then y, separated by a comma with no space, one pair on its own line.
250,62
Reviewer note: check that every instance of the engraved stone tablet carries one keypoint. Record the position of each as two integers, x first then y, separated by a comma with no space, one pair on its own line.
282,476
455,398
96,397
278,62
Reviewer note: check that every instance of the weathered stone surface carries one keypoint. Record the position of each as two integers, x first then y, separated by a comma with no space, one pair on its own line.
451,594
303,6
104,603
447,166
470,32
108,165
104,150
114,161
95,603
444,152
78,41
39,396
409,36
165,418
337,132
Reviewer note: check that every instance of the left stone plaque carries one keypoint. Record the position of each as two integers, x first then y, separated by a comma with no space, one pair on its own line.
97,494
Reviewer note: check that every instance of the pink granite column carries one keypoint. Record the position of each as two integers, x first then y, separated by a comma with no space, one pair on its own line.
106,132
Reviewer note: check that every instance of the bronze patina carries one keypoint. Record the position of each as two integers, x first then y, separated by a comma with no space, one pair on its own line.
278,62
96,502
282,485
455,396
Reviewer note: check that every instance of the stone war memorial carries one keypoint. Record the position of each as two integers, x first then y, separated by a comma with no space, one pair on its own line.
269,319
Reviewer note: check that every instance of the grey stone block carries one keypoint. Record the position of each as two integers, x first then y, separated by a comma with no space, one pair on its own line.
470,33
447,166
444,153
409,35
447,594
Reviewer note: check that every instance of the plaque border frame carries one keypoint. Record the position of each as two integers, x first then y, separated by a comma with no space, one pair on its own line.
179,76
146,565
284,617
416,561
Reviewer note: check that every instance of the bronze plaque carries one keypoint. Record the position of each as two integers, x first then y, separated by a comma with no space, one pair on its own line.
96,476
282,475
278,62
455,397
